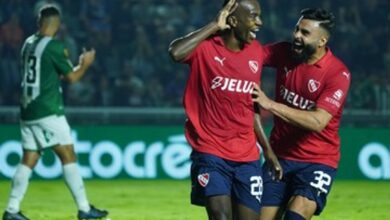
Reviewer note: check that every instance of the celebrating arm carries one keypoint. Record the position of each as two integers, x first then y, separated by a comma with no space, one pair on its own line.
315,120
85,61
180,48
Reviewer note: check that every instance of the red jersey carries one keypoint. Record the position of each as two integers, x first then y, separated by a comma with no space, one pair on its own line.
217,99
302,86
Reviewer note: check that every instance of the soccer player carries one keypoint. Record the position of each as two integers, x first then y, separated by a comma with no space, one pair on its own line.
311,87
224,66
43,124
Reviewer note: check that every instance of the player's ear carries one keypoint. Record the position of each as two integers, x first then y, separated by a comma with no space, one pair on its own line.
232,21
323,41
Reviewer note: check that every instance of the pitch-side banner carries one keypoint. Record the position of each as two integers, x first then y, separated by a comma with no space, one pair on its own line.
150,152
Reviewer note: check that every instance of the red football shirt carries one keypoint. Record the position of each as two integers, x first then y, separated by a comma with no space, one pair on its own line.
321,85
218,101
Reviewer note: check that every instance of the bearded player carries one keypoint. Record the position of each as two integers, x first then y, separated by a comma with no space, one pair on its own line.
311,88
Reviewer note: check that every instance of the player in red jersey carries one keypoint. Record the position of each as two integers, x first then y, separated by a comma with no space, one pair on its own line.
224,66
311,88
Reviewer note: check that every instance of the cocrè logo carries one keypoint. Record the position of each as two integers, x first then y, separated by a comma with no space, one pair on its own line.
137,159
367,154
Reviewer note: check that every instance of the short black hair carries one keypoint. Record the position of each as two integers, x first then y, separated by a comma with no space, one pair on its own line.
326,18
48,11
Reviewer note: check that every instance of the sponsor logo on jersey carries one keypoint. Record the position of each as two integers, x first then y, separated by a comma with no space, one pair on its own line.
219,60
203,179
253,65
338,94
232,85
296,100
313,85
333,101
346,74
287,71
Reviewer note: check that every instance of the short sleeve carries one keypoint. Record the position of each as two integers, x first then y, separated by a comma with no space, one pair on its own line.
333,96
194,54
60,57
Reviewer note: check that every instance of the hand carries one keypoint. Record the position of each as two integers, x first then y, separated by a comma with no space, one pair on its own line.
275,170
87,57
260,98
224,13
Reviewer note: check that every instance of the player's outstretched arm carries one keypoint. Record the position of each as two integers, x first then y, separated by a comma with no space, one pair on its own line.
269,155
315,120
181,47
85,61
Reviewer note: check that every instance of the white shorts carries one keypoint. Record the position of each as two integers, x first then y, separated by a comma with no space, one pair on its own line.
45,132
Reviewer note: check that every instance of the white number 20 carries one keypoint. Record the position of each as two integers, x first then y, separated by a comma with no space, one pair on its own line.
256,187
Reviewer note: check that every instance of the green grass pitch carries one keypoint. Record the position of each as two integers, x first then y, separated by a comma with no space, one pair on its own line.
169,200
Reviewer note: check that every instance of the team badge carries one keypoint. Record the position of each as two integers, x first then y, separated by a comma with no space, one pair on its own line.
313,85
253,65
203,179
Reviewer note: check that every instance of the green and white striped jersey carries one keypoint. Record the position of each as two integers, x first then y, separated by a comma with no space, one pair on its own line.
43,61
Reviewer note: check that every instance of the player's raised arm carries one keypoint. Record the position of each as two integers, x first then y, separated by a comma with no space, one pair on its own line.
181,47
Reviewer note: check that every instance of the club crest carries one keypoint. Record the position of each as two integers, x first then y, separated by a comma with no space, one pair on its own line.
203,179
313,85
253,65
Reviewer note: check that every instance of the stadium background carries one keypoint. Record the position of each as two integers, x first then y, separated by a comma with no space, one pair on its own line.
126,112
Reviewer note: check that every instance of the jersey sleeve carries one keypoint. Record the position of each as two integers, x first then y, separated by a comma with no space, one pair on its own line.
333,96
195,53
274,53
60,58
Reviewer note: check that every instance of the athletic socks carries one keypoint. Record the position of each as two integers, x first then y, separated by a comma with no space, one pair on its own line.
75,184
291,215
18,188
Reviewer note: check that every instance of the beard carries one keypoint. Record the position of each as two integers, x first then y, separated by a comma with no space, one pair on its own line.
306,51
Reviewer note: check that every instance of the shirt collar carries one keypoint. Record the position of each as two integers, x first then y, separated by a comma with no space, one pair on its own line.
321,63
218,40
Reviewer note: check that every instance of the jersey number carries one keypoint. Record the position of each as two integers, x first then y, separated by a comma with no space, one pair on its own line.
31,71
321,180
256,187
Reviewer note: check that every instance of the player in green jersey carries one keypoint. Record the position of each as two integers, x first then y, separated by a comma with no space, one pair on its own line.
43,124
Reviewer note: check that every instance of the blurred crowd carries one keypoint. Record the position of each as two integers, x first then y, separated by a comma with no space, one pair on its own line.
131,37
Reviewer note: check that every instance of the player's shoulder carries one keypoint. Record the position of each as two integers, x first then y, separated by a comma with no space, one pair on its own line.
55,45
53,42
208,43
337,66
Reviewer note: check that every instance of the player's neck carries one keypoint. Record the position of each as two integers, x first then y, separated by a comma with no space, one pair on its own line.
316,56
231,42
47,31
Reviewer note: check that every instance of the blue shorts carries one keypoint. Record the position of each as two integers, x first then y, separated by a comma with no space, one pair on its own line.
213,176
309,180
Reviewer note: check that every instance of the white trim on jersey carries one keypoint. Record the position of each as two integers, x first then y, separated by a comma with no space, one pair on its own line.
32,68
